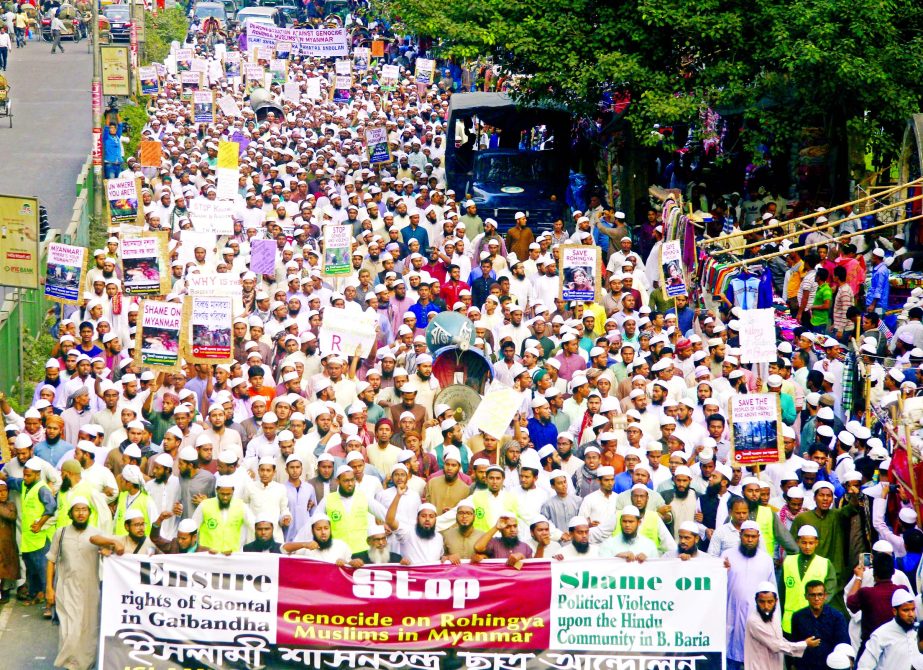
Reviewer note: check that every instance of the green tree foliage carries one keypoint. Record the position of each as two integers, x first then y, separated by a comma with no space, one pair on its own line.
783,64
162,29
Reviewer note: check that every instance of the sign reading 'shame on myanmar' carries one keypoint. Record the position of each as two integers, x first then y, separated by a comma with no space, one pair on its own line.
275,611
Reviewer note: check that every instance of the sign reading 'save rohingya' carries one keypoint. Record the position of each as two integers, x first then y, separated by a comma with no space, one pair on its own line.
324,43
291,612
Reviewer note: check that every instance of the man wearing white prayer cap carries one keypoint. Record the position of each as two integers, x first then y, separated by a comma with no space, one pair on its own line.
765,648
894,644
627,542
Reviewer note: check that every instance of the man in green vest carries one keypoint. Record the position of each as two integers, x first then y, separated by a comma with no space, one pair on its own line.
801,568
489,503
772,530
652,526
37,507
224,519
349,511
133,496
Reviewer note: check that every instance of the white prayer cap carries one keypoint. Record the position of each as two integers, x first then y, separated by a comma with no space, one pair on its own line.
767,587
631,510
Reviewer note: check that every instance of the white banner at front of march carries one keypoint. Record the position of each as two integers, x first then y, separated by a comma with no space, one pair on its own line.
757,336
172,605
344,330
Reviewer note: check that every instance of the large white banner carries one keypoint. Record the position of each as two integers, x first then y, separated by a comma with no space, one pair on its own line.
324,43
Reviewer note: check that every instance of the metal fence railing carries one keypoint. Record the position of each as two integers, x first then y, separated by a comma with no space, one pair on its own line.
30,304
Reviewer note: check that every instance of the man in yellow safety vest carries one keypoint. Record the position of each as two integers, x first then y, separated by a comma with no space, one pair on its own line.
348,510
801,568
224,519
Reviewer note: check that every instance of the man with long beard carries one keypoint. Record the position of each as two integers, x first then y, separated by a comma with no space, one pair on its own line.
378,552
316,541
628,543
420,544
681,498
461,537
348,510
764,647
747,566
73,486
73,588
687,543
894,644
579,546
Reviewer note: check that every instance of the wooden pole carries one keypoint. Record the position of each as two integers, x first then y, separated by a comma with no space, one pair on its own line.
910,464
759,259
814,215
830,224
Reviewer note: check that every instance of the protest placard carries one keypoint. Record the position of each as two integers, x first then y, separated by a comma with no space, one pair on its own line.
493,416
228,183
212,216
337,250
207,331
425,71
203,106
123,202
279,69
341,91
225,283
390,74
232,64
672,276
345,330
64,272
378,48
190,81
580,272
312,88
228,154
361,57
291,91
228,106
157,341
148,80
254,73
184,59
758,336
376,145
343,67
756,428
263,256
145,268
150,152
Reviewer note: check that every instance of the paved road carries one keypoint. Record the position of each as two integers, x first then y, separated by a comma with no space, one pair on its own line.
42,155
27,640
50,138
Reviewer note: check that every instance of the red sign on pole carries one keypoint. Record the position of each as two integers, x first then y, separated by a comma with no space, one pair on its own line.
97,147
